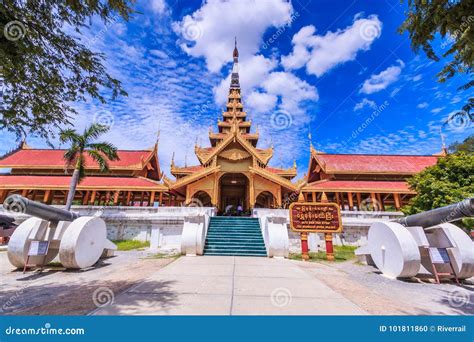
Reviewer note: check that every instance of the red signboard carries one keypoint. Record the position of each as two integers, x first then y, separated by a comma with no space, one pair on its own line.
315,217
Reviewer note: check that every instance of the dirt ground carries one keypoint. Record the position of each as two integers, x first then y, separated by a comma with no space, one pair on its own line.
378,295
56,291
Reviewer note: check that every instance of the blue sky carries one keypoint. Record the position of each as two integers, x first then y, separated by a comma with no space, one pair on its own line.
337,69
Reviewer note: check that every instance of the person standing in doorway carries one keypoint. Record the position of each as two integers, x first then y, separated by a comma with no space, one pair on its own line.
239,210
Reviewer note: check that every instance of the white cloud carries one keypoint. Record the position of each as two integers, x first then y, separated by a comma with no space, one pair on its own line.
322,53
422,105
456,99
158,6
291,89
378,82
365,103
261,102
417,78
159,54
437,110
252,73
261,87
209,31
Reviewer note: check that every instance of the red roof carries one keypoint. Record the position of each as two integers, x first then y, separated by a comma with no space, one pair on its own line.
189,168
62,182
39,158
359,186
278,170
366,163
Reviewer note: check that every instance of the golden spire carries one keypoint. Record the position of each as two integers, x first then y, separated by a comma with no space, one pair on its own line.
444,150
172,160
234,80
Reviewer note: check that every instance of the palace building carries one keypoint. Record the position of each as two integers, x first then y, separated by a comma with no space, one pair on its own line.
233,171
363,181
40,174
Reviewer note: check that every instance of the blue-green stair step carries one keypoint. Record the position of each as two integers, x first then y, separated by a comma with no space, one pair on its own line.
234,236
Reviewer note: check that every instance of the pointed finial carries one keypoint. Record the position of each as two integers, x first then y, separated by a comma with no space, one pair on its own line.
444,150
172,160
310,139
186,159
294,163
236,51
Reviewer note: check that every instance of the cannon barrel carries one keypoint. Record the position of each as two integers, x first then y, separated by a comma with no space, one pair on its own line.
436,216
20,204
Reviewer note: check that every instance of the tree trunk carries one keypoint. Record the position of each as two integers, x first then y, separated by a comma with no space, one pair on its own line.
72,188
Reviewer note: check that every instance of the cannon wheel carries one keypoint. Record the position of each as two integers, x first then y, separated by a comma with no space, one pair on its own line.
463,250
394,250
19,244
83,242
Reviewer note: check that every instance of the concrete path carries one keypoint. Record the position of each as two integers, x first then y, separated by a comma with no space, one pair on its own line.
220,285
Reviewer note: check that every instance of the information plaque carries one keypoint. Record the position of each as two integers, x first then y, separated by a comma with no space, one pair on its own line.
315,217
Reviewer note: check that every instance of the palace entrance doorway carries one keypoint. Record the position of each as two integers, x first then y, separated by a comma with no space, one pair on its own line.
265,200
233,190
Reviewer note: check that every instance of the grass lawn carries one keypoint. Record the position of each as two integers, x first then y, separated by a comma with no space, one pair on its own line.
162,256
128,245
341,253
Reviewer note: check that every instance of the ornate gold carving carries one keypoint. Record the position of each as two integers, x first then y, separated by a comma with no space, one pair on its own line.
235,154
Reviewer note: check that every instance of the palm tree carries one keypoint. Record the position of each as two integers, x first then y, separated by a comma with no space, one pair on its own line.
81,145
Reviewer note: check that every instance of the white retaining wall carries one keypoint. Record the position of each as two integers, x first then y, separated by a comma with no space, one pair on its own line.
163,226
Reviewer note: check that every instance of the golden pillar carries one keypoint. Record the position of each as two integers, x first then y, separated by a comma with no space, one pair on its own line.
396,198
351,201
152,199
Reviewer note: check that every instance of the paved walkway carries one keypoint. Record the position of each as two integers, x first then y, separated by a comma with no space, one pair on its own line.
219,285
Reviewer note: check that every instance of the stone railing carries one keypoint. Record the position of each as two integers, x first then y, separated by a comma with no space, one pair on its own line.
163,226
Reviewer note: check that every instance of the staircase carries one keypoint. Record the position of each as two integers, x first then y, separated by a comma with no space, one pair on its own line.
234,236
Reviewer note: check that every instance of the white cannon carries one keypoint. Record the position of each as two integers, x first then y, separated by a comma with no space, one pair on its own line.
79,241
398,248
